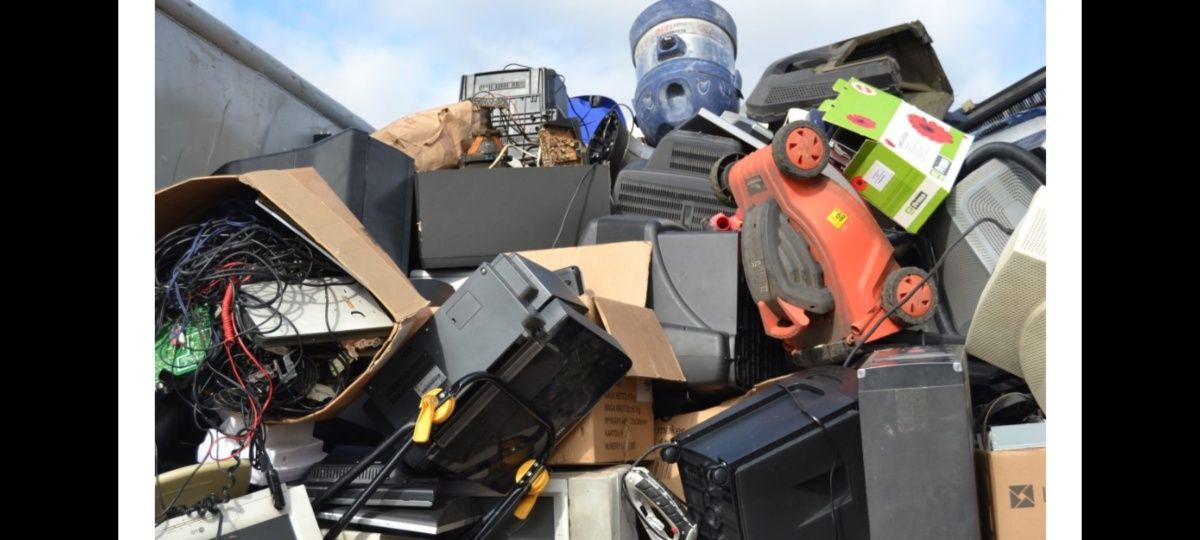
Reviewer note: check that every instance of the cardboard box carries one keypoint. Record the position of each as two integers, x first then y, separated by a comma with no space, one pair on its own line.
910,160
303,197
616,276
1013,494
618,271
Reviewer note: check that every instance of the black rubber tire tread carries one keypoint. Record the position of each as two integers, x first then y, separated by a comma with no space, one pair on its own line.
718,178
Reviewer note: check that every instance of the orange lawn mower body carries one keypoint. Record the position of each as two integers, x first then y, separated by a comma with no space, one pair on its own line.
817,264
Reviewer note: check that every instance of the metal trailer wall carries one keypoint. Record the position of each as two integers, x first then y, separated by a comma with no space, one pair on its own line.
219,97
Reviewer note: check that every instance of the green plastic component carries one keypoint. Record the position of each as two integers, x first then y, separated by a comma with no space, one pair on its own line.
180,352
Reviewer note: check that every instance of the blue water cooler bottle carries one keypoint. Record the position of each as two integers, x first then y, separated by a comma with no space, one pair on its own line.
683,51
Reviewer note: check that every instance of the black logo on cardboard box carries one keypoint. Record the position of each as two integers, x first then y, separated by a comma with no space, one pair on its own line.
1020,496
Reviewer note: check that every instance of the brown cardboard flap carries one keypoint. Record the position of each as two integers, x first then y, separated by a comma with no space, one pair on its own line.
332,226
619,271
316,210
183,202
639,333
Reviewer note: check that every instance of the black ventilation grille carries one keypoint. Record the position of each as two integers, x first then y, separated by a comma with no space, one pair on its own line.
758,356
998,121
800,93
692,209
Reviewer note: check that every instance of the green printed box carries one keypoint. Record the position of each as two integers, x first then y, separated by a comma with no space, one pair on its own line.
910,159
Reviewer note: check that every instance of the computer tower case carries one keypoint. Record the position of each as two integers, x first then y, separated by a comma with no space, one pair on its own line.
762,468
520,322
673,183
468,216
374,179
998,189
899,60
697,292
915,416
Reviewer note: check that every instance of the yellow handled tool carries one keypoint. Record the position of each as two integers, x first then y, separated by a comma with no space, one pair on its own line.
537,484
431,413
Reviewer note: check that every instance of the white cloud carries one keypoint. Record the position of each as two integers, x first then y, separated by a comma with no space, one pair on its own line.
383,59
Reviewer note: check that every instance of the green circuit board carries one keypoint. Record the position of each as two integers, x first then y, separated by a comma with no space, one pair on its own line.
179,350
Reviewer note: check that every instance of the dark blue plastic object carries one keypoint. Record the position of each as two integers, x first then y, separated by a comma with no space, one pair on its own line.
589,115
684,52
665,10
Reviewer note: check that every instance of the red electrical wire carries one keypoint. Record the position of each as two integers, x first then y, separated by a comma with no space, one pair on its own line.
227,318
216,282
237,375
270,383
228,325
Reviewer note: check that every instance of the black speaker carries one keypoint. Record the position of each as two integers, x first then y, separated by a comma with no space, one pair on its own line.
519,322
373,179
916,429
784,463
468,216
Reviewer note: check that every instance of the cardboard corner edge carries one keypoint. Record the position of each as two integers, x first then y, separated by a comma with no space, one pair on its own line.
662,364
403,302
402,330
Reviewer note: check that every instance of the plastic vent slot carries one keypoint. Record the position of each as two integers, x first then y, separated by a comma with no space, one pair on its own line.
758,357
1034,241
691,209
997,122
799,92
983,197
1032,351
330,473
696,159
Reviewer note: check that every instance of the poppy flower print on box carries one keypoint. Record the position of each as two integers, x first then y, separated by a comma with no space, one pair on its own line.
862,88
860,120
930,130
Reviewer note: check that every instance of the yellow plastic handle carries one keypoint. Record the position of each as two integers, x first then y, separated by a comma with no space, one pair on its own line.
431,413
536,486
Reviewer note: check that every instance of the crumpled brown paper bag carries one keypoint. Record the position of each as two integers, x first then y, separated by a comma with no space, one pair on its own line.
435,139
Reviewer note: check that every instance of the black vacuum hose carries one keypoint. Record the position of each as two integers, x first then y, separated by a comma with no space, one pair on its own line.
1004,150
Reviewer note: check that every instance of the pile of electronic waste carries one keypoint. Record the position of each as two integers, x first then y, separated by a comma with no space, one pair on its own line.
817,313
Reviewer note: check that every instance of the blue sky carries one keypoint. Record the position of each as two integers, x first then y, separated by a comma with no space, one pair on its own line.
385,58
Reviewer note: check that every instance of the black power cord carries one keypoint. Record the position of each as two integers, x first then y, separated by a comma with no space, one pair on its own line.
837,455
936,265
589,172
